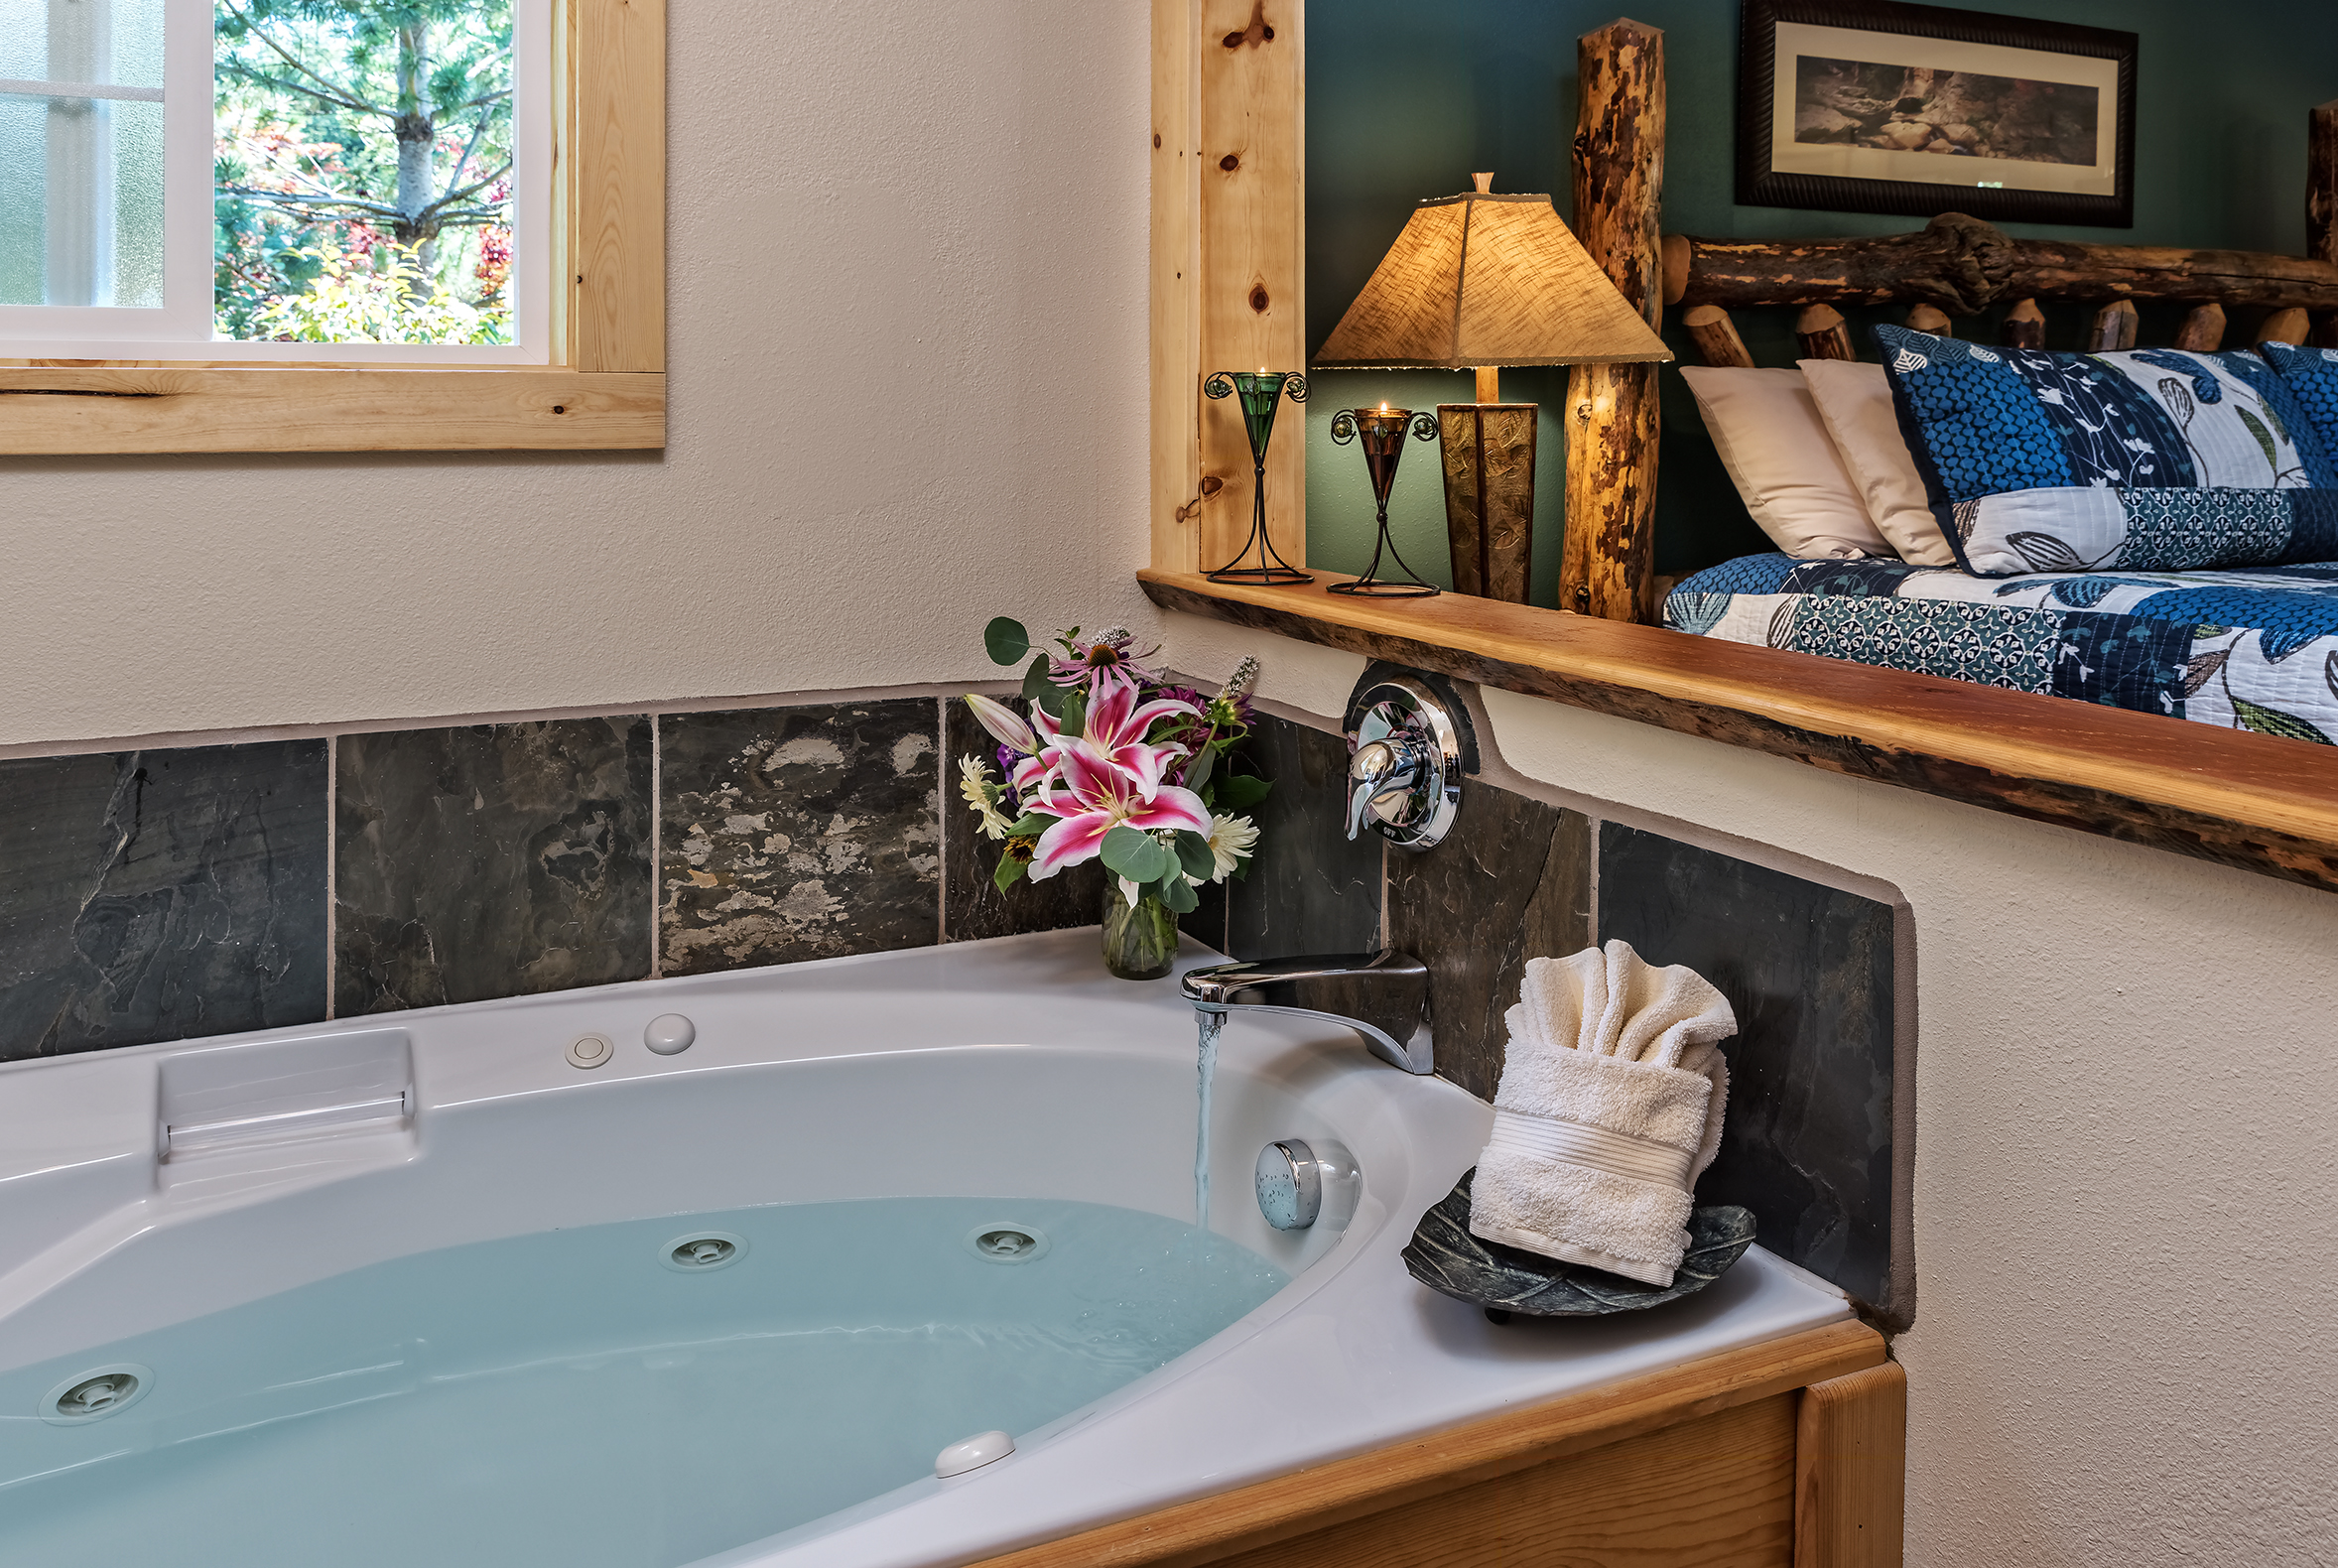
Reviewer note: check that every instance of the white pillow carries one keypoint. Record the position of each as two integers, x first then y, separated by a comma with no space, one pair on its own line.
1854,401
1783,463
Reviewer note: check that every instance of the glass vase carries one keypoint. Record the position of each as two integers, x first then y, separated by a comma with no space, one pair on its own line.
1140,939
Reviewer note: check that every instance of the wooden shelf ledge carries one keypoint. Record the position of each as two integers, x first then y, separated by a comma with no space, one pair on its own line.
2257,802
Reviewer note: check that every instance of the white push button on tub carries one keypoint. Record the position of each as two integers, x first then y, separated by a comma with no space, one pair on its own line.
668,1034
972,1453
590,1051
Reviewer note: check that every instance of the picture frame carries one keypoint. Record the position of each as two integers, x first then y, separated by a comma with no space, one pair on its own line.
1878,106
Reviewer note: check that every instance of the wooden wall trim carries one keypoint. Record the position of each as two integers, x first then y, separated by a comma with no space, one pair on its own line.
1212,1528
2258,803
1851,1470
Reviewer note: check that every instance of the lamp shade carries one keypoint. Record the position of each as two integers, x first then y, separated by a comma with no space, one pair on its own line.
1487,280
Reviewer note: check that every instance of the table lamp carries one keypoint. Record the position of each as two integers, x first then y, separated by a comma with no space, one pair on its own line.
1477,282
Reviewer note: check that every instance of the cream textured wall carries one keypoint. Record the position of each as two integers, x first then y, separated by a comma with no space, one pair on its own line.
2125,1195
907,250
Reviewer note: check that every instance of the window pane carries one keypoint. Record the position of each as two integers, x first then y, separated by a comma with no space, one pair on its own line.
80,177
364,171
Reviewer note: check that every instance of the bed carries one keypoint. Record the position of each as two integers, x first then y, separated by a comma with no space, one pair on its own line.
2245,648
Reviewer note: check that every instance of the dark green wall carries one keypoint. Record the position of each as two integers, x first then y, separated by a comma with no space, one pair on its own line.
1405,99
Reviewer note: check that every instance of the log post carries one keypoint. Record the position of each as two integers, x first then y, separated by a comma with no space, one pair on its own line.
2024,327
1822,333
1606,565
2285,327
2114,328
1929,318
2203,329
1716,336
2321,204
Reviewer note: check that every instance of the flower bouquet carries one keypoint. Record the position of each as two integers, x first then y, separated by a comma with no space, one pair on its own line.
1116,764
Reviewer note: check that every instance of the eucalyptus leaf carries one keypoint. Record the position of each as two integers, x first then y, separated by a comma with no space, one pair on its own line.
1178,893
1010,871
1031,825
1192,854
1035,682
1134,853
1241,791
1007,641
1074,712
1197,772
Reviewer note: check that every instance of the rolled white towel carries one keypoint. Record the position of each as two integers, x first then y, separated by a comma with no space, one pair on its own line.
1609,1110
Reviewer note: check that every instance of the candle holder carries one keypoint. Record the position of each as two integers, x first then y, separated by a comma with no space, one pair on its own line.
1260,393
1382,431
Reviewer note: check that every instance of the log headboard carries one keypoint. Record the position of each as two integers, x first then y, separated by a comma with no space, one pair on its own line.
1955,266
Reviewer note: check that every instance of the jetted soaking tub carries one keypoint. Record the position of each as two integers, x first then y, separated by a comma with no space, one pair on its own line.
424,1290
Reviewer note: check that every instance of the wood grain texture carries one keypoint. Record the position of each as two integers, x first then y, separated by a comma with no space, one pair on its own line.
1962,265
1608,555
2285,327
1364,1485
614,157
1929,318
1716,336
282,408
1702,1495
2202,332
1175,287
1851,1470
2112,329
1822,333
2254,801
1252,257
2024,327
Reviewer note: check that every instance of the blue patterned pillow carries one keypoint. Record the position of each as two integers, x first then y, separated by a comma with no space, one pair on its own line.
2151,459
2311,375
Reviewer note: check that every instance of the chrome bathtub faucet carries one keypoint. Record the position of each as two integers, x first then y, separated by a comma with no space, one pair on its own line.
1384,996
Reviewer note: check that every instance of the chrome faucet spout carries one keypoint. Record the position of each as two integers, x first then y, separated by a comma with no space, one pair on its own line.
1384,996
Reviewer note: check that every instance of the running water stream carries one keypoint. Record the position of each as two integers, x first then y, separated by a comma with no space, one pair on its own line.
1209,1024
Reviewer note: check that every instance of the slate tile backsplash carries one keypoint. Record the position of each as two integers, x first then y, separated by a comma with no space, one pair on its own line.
798,832
154,896
490,860
1808,968
1510,883
1310,889
973,907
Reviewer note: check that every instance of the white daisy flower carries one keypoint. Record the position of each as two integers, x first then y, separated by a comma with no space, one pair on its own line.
973,782
1231,838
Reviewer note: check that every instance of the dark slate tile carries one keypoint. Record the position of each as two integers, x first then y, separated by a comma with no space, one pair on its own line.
798,832
972,906
1309,888
1206,922
1807,1145
490,860
1510,883
154,896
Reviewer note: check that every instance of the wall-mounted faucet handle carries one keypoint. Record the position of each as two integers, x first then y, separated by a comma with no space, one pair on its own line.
1389,768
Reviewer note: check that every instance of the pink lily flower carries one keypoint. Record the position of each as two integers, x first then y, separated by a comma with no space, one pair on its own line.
1115,732
1091,795
1003,722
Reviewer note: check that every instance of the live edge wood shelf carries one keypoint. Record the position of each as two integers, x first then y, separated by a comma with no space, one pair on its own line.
2256,802
1788,1453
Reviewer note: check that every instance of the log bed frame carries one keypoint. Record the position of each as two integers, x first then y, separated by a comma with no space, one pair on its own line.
1229,248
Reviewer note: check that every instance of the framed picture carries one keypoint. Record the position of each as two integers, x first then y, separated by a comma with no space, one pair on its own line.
1873,106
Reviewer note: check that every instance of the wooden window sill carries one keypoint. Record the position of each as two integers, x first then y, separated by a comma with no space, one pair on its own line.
2239,798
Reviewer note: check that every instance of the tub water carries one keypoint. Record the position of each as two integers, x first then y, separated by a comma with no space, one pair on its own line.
421,1291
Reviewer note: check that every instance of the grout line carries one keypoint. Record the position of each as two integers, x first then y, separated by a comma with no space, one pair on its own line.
333,865
657,847
942,767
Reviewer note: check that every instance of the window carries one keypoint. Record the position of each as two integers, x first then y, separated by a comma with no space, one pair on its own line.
330,225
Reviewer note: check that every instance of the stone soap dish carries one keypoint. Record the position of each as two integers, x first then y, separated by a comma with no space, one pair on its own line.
1443,1256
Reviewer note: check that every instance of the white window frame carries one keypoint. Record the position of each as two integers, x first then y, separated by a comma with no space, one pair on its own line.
180,328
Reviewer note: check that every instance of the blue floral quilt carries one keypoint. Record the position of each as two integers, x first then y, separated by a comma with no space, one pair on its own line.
2254,649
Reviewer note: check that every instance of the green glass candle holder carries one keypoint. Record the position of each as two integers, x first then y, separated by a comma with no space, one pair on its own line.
1261,392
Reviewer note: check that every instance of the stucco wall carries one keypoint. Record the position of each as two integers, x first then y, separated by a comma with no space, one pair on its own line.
2124,1192
907,248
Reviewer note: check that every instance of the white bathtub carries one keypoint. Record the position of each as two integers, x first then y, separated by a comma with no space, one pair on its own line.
1004,1070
